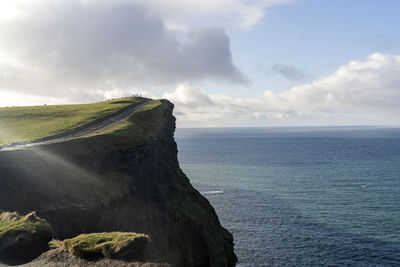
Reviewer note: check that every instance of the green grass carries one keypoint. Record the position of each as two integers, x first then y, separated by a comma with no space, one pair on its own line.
24,124
64,169
55,243
11,223
107,245
23,238
138,119
142,126
146,123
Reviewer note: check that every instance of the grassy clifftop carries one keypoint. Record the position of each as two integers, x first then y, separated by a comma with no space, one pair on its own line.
124,179
58,170
24,124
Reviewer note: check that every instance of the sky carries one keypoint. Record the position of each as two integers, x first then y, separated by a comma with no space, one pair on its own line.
223,63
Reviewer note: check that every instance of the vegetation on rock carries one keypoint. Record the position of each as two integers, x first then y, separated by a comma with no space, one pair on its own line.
114,245
22,238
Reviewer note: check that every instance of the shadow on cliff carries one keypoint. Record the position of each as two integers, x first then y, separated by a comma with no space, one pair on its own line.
128,180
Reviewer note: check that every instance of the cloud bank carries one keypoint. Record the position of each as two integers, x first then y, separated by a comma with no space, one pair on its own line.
360,92
232,13
84,49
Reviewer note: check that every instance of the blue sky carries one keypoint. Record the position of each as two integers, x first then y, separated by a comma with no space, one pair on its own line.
222,63
316,37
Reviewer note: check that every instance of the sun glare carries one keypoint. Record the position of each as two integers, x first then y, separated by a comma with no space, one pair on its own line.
9,99
9,9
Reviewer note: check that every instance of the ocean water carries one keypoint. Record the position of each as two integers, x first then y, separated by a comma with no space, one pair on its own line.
301,196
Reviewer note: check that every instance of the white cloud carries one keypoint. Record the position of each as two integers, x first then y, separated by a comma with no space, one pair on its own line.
190,97
360,92
93,48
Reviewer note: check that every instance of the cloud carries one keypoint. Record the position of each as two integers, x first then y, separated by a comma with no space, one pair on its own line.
289,72
180,13
364,86
360,92
190,97
88,48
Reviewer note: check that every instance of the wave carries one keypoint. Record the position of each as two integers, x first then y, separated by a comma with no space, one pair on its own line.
212,192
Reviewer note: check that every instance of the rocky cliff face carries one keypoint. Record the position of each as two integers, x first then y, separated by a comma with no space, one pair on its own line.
128,180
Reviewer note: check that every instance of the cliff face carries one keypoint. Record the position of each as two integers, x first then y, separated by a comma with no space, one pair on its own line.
128,180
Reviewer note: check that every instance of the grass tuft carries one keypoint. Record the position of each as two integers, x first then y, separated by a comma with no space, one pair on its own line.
22,238
55,243
116,245
11,223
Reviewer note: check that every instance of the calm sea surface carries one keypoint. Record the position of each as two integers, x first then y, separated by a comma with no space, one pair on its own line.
301,196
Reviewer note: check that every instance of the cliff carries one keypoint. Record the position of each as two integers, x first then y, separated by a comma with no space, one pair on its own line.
126,180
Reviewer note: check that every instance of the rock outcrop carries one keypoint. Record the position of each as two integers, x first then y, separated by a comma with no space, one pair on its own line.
128,180
111,245
63,258
23,238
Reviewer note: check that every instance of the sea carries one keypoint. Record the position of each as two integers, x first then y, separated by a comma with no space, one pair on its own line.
302,196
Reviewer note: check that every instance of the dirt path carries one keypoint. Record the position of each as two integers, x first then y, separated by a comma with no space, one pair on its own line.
101,126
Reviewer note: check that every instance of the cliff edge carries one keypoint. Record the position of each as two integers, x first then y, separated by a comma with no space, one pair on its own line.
127,179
